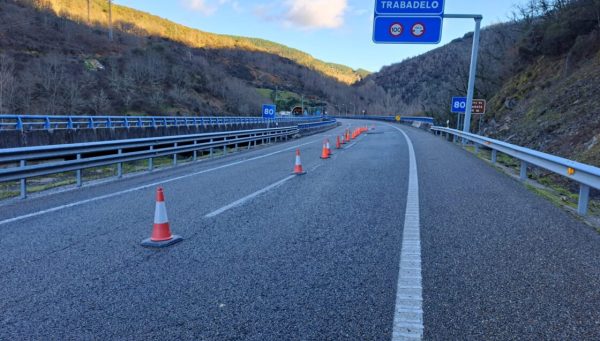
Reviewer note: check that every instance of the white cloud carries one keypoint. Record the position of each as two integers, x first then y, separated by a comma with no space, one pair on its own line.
315,14
209,7
200,6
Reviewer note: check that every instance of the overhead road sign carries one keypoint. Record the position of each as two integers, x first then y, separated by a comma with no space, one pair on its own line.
459,105
409,7
407,30
268,111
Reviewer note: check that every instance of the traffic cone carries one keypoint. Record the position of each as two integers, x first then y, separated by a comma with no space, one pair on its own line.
161,232
338,143
343,139
325,153
298,166
328,148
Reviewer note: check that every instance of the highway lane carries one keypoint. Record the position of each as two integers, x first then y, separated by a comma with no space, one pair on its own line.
315,258
305,260
500,262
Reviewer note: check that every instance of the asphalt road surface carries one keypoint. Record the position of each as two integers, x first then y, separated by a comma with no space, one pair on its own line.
345,252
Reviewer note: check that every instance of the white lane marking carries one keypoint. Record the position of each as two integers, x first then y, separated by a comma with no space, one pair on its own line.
248,198
112,195
408,313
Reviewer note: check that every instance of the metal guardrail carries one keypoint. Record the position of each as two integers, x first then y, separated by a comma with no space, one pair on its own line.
586,175
41,122
403,119
317,124
55,159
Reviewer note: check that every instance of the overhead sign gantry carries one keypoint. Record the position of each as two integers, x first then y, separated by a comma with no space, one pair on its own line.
421,22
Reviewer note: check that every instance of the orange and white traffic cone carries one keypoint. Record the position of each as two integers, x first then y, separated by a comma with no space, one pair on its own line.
161,232
338,143
324,153
343,139
298,165
328,148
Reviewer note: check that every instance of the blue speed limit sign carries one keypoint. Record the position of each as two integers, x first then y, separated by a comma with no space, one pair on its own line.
459,105
268,111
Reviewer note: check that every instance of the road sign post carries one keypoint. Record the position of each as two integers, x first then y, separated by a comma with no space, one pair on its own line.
420,22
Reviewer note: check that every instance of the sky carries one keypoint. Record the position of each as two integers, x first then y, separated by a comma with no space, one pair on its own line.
338,31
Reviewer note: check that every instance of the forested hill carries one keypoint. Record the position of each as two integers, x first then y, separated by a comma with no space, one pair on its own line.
539,73
52,61
137,22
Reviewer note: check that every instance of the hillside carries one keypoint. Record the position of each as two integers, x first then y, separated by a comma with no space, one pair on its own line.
50,64
540,75
137,22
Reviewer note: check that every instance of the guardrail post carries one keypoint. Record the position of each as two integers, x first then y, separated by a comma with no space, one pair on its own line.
151,162
225,147
91,123
139,122
175,155
211,149
47,124
523,175
22,164
494,155
19,125
236,145
476,148
584,199
70,123
195,156
120,166
108,122
78,178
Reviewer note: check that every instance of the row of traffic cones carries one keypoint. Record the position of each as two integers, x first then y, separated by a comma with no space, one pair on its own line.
161,232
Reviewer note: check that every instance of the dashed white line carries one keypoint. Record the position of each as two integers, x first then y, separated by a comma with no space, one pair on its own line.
408,313
115,194
248,198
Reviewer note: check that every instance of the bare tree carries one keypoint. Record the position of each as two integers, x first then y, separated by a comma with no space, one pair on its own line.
110,25
51,72
100,103
7,82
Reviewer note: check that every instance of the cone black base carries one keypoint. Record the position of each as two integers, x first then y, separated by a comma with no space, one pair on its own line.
149,243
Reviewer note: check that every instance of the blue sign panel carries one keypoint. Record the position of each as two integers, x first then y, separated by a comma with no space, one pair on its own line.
409,7
407,30
459,105
268,111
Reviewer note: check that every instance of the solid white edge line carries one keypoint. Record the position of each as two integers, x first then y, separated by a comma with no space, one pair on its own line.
248,197
408,311
112,195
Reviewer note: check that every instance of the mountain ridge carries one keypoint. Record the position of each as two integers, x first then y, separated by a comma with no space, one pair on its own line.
139,22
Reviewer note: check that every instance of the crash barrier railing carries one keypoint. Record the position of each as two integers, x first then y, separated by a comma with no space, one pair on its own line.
314,125
23,163
41,122
403,119
586,175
